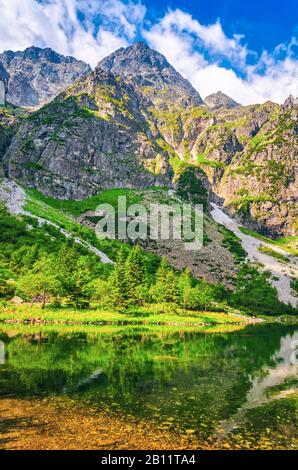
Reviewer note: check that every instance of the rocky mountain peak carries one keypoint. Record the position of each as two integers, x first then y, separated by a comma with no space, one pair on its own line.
37,75
150,73
219,99
290,102
103,76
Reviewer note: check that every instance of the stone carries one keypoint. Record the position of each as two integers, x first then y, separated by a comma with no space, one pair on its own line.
37,75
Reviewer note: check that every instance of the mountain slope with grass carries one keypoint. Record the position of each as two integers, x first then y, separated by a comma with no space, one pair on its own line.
221,261
134,127
92,137
115,128
249,153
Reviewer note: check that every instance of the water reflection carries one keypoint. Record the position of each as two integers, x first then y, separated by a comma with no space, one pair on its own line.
264,380
201,382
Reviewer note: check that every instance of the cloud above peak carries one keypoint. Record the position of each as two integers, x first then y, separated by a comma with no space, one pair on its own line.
210,60
91,29
87,29
211,37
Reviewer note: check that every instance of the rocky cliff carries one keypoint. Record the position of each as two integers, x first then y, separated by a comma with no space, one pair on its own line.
132,119
220,100
3,84
150,74
248,153
37,75
91,137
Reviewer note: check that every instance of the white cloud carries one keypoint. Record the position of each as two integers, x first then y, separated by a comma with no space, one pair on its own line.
69,26
196,52
210,37
92,29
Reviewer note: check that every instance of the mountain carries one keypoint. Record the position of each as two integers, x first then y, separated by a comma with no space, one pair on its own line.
135,122
37,75
219,99
93,136
150,73
250,154
3,84
169,99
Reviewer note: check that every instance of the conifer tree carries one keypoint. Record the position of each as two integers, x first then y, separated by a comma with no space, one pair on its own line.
185,288
135,275
166,285
118,282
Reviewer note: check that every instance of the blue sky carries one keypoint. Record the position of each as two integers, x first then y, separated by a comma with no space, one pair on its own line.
265,23
247,49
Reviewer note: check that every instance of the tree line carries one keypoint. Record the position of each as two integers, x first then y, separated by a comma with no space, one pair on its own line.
38,262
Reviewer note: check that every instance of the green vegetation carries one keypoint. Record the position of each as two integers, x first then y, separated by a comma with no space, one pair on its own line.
32,261
294,285
258,142
75,208
190,186
130,286
166,147
288,244
202,160
233,243
273,253
178,165
33,166
59,213
255,294
153,314
242,204
39,264
28,146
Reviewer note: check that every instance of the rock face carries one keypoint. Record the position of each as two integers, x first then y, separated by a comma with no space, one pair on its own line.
250,155
219,99
91,137
3,84
135,122
150,73
37,75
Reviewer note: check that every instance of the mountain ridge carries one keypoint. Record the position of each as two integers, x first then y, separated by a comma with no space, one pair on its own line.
147,69
122,126
220,99
36,74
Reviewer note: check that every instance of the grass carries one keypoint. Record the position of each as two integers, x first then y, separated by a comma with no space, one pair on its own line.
273,253
294,285
202,160
48,209
233,243
75,208
289,244
149,315
90,329
242,204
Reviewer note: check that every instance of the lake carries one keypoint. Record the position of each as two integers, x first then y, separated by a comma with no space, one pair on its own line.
217,387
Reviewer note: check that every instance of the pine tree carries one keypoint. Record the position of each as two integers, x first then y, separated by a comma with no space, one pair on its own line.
166,285
185,288
135,275
171,291
75,275
118,283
